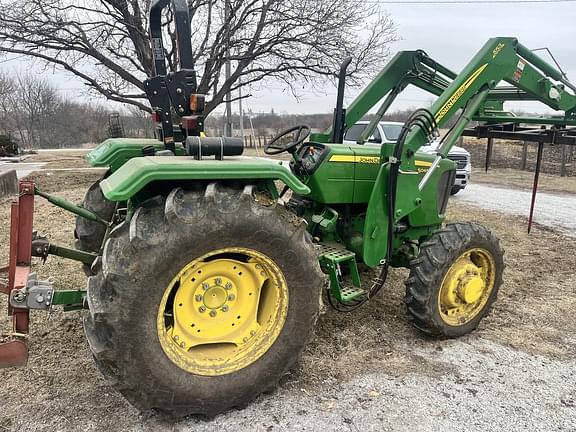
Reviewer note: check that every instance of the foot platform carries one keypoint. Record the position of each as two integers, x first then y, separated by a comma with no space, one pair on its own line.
332,260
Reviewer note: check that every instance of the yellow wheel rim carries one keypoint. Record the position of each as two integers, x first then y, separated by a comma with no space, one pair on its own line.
222,311
466,287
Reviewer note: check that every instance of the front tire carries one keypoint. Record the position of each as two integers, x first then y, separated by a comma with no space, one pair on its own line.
170,277
454,280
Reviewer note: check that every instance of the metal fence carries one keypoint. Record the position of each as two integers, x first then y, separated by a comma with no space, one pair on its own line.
256,141
557,159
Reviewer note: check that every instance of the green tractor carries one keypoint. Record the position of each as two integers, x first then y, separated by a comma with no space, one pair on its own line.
208,269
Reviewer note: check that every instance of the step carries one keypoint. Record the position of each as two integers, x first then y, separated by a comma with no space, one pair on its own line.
351,293
335,254
332,258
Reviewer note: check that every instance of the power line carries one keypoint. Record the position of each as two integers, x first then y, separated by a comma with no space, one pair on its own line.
466,2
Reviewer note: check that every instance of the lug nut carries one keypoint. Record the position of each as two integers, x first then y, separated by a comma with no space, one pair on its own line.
213,313
176,338
183,345
218,281
199,297
224,308
245,339
231,297
205,286
202,309
228,286
253,333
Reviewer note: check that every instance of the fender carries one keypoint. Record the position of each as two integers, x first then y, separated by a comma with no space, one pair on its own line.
115,152
138,172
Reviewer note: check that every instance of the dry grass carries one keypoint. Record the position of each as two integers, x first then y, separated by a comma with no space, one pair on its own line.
524,180
54,160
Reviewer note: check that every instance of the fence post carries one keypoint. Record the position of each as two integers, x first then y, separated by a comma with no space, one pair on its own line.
563,162
524,155
259,141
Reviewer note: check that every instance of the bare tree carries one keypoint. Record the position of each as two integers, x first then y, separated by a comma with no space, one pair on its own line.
7,87
105,42
33,105
137,123
32,111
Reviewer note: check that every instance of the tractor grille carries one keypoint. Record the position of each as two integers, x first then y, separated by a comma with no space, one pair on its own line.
461,161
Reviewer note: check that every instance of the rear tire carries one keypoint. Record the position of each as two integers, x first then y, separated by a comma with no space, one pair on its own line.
444,292
144,256
89,235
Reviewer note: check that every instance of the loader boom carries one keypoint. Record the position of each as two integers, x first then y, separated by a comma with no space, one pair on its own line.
474,91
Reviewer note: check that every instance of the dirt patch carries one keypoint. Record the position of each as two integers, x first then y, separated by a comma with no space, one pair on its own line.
62,390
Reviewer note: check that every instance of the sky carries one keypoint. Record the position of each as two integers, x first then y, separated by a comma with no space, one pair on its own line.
450,33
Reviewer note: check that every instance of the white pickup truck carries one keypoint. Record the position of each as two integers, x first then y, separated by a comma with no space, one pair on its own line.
388,132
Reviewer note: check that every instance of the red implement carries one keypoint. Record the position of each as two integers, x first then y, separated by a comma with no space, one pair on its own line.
14,352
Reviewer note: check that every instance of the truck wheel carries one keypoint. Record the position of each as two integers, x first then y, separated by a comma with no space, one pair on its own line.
205,300
455,190
454,280
88,234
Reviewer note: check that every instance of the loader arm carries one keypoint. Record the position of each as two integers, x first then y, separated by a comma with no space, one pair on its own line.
501,59
418,69
405,68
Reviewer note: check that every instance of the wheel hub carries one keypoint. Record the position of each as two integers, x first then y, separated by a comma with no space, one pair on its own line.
215,297
466,286
219,315
470,290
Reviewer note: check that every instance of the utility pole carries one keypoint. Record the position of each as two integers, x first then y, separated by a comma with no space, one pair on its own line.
228,71
240,109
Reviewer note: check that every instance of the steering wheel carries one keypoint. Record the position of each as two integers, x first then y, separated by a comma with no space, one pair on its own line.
299,135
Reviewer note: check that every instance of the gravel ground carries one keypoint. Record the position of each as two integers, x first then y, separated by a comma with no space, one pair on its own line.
553,210
366,371
486,387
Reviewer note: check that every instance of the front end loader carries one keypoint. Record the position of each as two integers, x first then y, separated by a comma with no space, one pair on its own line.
207,269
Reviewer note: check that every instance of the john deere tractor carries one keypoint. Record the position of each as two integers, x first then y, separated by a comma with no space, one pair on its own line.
208,269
